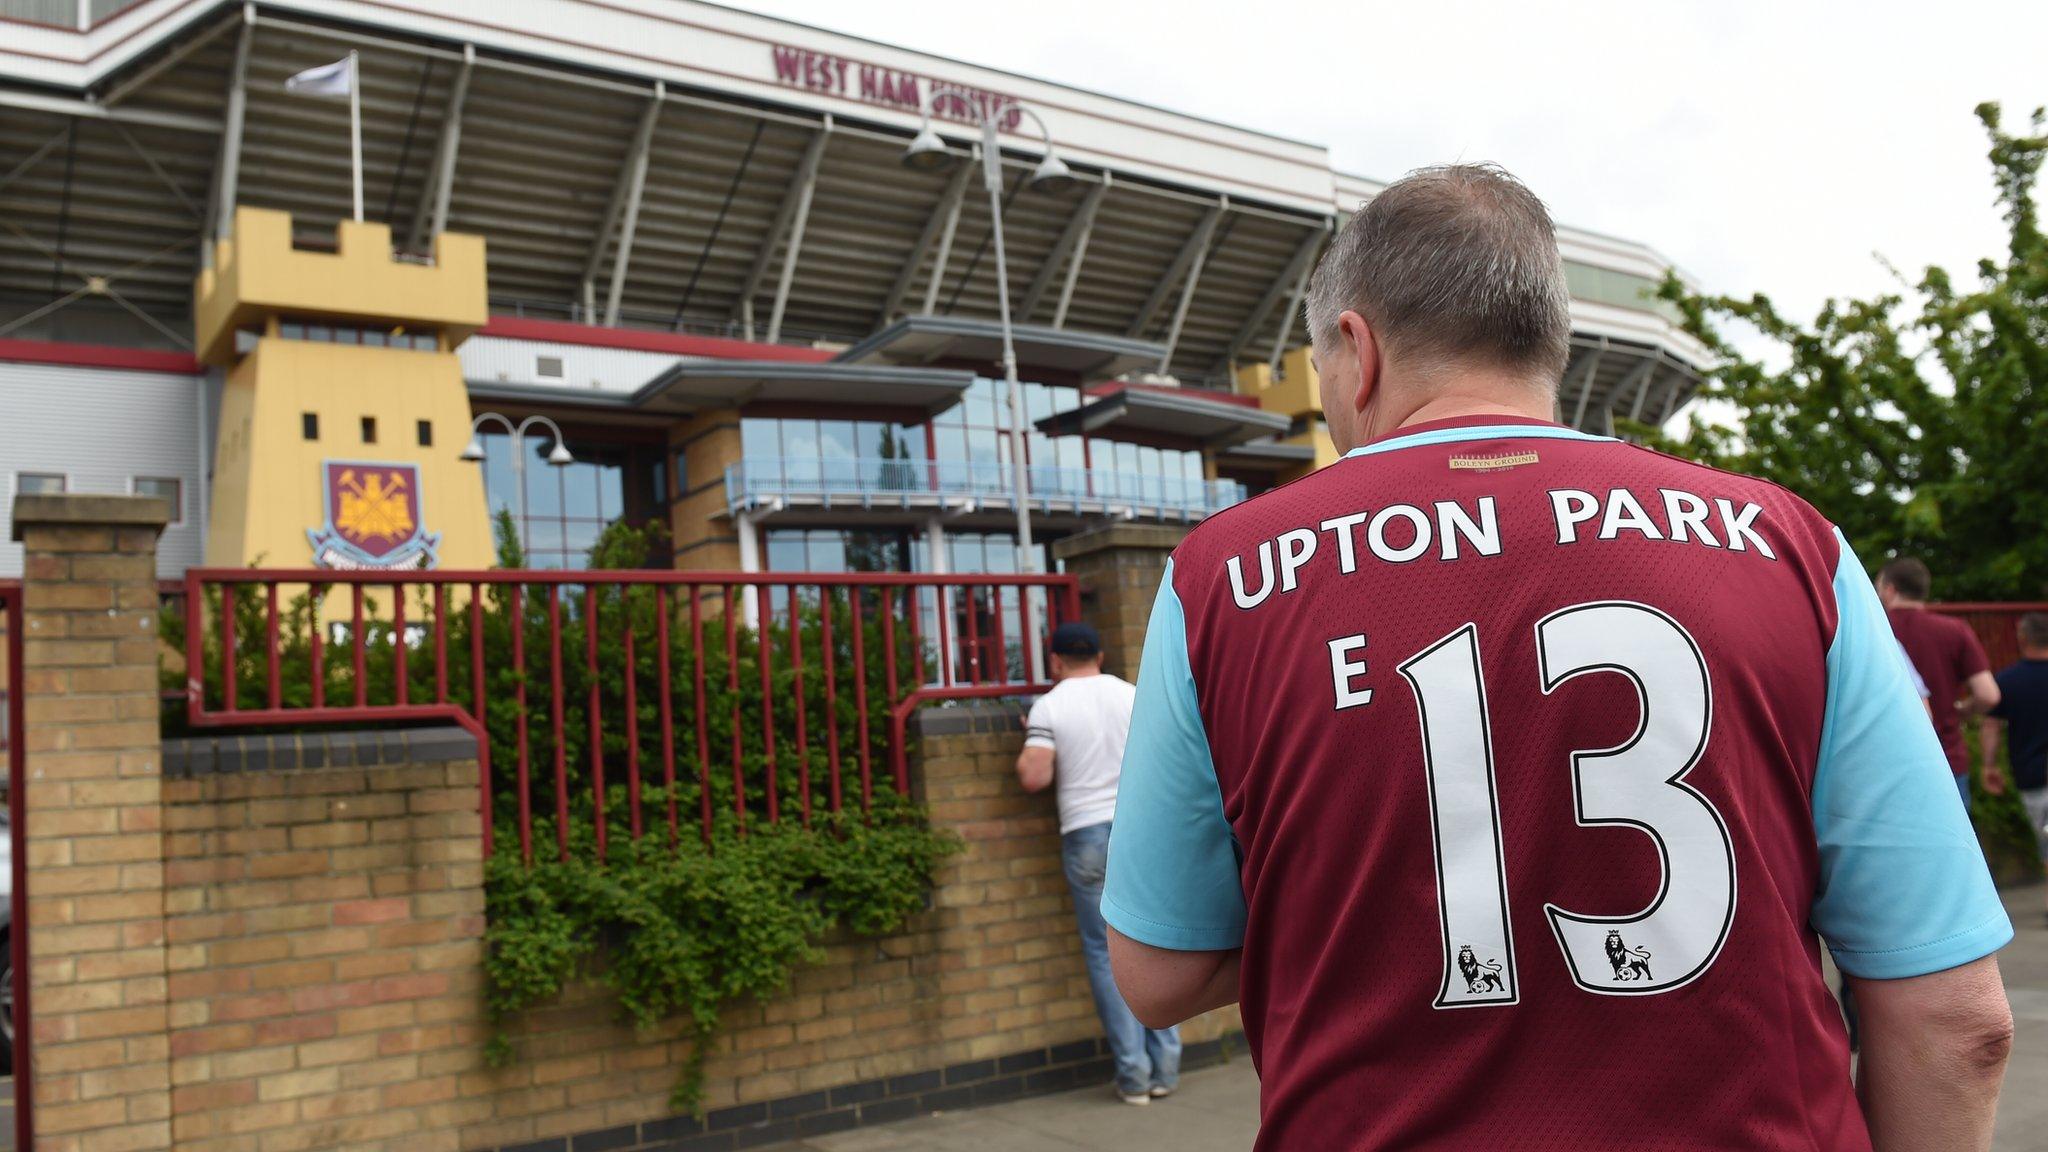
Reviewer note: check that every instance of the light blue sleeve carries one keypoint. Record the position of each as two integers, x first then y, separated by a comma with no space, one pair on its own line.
1904,890
1912,673
1173,879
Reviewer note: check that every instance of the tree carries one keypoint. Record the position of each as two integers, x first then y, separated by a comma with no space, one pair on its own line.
1913,420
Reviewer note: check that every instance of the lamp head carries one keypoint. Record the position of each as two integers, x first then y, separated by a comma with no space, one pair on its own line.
928,153
1052,175
474,452
560,456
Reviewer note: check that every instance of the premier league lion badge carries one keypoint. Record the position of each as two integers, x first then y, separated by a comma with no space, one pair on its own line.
373,518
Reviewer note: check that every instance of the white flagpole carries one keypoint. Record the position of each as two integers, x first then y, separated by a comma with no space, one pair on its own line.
355,129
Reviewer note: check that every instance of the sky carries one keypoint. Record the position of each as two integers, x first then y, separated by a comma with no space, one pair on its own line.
1775,147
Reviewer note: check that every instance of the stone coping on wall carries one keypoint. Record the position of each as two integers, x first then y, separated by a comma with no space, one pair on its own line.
968,717
975,1084
286,751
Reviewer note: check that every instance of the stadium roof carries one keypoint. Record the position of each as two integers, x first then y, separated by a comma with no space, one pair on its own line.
675,165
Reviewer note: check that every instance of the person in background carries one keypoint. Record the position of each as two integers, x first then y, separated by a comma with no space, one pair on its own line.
1945,653
2023,707
1074,737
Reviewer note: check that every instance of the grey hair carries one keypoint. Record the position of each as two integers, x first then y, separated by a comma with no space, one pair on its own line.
1452,264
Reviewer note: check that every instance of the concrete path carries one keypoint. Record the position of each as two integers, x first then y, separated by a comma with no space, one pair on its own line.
1217,1108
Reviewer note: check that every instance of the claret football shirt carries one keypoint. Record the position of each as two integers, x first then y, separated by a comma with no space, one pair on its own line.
1529,768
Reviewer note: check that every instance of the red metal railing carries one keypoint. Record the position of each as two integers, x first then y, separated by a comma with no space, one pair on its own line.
1993,622
721,695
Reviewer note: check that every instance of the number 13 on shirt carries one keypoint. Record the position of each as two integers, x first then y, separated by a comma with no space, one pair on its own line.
1639,783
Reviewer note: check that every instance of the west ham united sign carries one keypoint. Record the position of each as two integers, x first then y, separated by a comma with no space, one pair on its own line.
373,518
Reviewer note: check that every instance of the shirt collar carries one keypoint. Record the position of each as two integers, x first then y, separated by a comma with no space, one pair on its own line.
1457,429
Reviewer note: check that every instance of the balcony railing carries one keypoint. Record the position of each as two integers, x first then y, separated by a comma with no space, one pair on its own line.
880,482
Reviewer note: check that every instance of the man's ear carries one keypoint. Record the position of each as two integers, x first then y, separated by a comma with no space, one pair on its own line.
1365,352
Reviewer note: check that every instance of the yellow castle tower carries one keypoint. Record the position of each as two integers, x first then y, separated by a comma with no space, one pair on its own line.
344,411
1292,393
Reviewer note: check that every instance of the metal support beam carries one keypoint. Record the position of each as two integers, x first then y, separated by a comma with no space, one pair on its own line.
85,110
643,145
805,175
795,248
1648,371
164,63
1059,312
1079,225
440,181
1294,299
1195,243
1304,257
1586,375
1187,297
225,184
931,287
34,158
947,207
601,243
1678,379
157,170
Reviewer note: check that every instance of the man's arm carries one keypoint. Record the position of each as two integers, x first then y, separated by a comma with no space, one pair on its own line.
1172,897
1164,986
1034,768
1983,696
1934,1050
1905,901
1989,735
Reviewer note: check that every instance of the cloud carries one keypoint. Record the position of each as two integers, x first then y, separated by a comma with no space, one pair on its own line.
1764,147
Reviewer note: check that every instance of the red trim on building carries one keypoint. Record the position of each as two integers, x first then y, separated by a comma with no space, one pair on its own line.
1110,387
99,356
672,343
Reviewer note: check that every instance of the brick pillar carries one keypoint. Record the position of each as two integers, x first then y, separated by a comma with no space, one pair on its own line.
94,815
1119,567
704,538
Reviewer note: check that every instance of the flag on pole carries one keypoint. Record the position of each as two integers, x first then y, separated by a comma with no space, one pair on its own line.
336,80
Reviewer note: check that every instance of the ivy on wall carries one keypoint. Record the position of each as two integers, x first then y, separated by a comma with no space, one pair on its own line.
677,925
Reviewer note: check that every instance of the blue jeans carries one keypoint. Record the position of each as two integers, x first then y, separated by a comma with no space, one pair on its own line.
1145,1057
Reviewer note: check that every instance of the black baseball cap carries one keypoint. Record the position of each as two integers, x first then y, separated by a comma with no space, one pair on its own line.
1077,639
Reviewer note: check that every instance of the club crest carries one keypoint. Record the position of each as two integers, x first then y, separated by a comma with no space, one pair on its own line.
373,518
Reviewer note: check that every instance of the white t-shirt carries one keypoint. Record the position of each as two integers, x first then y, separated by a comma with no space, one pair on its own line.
1084,720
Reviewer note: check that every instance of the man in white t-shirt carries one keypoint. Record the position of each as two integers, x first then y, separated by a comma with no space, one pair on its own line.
1074,738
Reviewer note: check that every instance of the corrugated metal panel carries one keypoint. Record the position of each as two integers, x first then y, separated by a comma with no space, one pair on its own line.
488,360
101,428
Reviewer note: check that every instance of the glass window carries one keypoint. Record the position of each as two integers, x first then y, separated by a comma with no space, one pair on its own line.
40,483
309,425
758,438
369,429
426,433
165,487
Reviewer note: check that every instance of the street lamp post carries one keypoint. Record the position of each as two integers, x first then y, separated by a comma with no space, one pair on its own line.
929,153
558,457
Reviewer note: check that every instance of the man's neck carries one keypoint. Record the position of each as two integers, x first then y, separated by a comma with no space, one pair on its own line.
2040,654
1902,602
1478,398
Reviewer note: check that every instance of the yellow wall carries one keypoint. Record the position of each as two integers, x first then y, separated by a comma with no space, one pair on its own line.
257,273
269,481
1292,394
269,485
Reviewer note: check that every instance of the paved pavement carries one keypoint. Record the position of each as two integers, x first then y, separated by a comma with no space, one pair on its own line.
1217,1108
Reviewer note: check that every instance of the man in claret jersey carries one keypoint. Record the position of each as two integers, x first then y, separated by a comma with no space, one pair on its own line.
1510,778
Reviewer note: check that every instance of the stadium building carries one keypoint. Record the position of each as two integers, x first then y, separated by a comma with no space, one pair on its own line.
687,236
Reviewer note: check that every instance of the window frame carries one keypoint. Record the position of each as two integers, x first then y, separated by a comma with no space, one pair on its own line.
63,480
177,502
